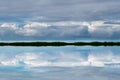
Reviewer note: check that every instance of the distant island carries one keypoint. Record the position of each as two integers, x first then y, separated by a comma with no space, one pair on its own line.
59,43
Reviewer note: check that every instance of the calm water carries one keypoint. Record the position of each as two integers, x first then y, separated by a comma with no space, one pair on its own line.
60,63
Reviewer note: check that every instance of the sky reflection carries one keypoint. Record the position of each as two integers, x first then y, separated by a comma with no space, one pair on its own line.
56,63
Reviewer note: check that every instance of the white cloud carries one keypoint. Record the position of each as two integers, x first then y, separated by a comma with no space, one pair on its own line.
4,27
98,29
62,30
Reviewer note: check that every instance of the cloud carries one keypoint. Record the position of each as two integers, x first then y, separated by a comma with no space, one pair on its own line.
55,20
82,10
63,30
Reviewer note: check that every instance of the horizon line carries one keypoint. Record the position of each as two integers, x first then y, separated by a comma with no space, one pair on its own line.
60,43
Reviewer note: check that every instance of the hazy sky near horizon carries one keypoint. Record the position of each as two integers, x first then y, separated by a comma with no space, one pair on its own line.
59,19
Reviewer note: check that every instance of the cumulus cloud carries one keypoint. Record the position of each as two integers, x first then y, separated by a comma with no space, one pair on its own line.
60,30
51,19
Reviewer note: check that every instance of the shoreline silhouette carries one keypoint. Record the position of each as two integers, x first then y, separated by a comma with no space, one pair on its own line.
59,43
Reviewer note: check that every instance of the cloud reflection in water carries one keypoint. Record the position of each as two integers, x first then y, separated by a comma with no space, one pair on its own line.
56,63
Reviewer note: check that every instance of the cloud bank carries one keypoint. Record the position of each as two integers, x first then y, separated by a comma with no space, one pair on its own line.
63,30
55,20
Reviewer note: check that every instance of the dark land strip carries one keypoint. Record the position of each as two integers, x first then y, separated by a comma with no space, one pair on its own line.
59,44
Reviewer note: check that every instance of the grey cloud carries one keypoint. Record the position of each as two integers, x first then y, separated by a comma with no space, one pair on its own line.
61,10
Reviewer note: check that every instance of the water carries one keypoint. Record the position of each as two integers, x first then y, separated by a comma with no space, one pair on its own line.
60,63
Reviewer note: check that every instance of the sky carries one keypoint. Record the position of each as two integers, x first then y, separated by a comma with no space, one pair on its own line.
59,20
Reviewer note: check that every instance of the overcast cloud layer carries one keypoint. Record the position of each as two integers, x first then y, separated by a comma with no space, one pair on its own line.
62,10
59,20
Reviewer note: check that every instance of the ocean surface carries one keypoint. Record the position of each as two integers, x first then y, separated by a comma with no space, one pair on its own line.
60,63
